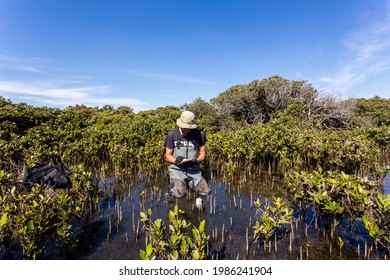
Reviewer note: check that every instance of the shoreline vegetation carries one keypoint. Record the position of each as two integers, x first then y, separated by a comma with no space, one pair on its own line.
331,154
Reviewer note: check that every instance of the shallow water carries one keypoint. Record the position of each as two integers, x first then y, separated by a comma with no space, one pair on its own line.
386,187
114,230
230,216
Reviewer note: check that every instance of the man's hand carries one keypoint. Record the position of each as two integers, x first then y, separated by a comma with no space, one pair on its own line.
178,160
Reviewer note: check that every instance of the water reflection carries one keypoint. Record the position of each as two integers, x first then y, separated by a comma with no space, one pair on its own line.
386,187
115,230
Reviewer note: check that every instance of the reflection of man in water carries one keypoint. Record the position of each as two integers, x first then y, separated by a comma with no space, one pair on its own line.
185,149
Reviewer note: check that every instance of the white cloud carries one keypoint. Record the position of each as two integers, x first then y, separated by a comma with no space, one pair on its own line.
55,87
328,80
135,104
368,54
23,64
24,68
50,93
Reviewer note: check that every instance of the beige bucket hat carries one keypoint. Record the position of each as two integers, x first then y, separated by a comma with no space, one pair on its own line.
187,120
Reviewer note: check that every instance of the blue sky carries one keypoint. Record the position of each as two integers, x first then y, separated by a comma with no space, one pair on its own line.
150,53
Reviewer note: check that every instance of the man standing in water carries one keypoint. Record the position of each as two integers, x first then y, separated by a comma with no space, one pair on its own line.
185,149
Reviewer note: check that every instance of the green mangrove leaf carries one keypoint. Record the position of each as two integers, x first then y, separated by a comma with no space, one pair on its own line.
195,233
175,255
149,249
62,214
30,225
158,223
202,226
3,220
195,255
143,215
176,210
143,255
13,191
183,245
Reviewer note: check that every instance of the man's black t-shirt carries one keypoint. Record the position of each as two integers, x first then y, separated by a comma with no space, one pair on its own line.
194,138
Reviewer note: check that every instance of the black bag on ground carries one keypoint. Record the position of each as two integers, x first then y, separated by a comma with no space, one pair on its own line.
49,175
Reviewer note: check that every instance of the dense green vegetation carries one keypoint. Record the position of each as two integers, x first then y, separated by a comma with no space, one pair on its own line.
40,218
174,242
273,125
